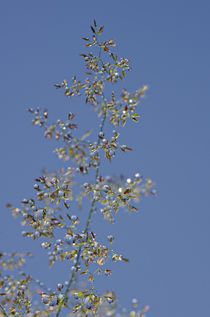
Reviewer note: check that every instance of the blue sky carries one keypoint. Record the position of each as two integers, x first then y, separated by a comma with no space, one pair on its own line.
168,44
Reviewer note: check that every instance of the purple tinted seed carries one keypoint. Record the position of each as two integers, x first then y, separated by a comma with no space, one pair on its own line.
68,238
101,135
45,300
37,234
60,193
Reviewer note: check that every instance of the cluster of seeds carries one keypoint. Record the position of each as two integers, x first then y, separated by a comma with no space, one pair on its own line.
49,215
44,214
108,146
14,289
114,193
12,261
109,69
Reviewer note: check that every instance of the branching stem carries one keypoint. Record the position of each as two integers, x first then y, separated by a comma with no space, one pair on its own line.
87,226
3,311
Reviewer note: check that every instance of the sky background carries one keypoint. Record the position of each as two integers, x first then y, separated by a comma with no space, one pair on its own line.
168,45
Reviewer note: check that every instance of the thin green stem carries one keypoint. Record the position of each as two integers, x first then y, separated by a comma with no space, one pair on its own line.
3,311
87,226
88,222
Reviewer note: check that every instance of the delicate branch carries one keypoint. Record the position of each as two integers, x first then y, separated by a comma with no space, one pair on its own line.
87,226
3,311
53,190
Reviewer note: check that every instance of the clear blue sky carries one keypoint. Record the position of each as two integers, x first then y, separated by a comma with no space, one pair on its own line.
168,44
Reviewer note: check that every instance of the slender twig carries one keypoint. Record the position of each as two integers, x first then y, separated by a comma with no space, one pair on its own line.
3,311
92,208
87,226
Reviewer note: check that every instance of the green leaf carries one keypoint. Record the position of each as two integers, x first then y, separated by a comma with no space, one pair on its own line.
100,30
114,57
108,156
89,44
86,135
135,117
125,259
80,294
123,122
67,92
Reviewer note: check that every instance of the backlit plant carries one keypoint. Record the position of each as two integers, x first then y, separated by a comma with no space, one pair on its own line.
49,216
